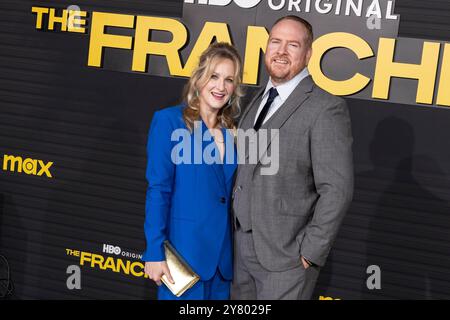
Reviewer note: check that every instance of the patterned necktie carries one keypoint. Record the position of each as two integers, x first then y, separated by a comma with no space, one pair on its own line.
273,93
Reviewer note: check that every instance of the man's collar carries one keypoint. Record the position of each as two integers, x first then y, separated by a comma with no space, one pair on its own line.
285,89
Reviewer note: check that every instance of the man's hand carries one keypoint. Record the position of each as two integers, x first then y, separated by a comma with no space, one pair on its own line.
306,265
156,269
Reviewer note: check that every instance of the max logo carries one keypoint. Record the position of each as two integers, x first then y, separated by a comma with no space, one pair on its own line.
28,166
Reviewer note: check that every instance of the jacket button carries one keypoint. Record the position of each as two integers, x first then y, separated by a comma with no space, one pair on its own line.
223,200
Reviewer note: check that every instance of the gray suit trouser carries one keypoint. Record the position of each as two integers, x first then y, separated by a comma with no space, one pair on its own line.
253,282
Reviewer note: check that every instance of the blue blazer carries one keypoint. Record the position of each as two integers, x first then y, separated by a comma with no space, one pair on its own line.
188,203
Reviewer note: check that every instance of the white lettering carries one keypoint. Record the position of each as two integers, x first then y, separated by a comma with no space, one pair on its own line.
277,7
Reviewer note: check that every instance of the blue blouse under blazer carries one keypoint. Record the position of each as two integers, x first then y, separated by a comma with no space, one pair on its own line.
188,204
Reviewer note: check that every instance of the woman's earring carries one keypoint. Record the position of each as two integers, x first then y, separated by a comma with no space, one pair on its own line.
196,92
229,103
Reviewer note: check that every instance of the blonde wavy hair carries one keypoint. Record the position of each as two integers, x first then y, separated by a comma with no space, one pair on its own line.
209,59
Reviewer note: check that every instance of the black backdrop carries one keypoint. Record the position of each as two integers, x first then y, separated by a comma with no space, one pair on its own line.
93,125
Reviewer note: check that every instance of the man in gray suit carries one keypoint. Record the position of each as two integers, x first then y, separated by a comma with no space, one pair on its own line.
285,223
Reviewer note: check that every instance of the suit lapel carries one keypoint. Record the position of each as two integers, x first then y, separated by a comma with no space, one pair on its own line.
230,157
215,167
252,106
218,169
245,123
294,101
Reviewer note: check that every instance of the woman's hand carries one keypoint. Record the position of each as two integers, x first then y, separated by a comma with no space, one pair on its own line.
156,269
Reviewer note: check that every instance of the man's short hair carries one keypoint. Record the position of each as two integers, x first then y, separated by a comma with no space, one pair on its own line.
306,24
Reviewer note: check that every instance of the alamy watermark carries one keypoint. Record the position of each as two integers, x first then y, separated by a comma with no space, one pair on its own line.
74,12
74,279
252,148
373,282
373,22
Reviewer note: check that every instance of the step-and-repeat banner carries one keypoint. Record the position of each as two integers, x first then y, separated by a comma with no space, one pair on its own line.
79,82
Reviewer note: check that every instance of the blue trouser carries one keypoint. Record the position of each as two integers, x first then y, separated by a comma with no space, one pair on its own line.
216,288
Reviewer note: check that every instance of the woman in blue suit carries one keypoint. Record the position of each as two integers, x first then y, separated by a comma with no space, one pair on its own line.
191,163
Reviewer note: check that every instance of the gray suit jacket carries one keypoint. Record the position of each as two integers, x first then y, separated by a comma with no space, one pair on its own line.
298,211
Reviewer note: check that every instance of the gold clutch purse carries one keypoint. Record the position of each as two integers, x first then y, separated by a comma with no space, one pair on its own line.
181,272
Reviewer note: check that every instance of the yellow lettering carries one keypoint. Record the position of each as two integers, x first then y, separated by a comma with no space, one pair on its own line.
29,166
339,40
45,168
39,15
443,97
122,266
425,72
12,161
170,50
109,264
210,30
76,21
85,257
99,39
327,298
54,19
97,260
257,38
133,271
